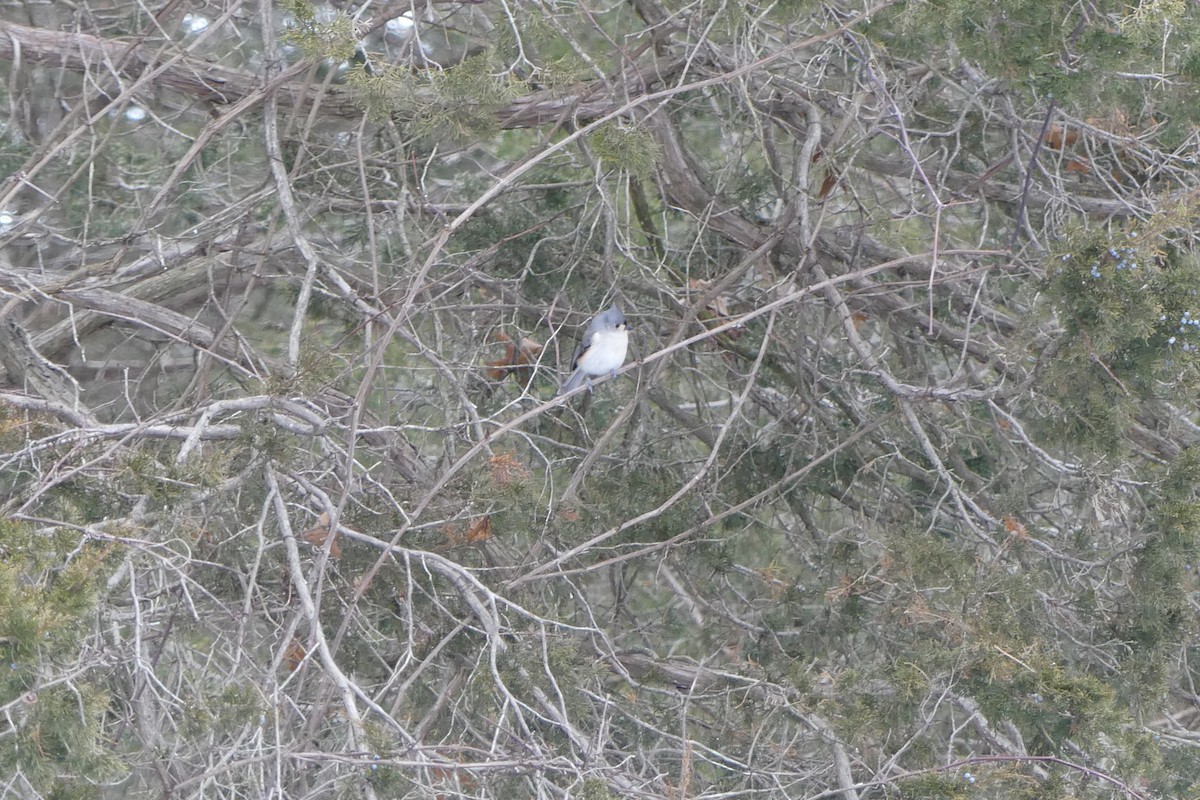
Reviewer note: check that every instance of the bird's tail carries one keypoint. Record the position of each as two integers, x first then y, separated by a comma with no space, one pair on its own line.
572,382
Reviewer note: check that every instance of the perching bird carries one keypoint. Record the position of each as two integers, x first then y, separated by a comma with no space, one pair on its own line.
601,350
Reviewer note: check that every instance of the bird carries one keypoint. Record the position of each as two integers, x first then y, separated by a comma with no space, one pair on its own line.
601,350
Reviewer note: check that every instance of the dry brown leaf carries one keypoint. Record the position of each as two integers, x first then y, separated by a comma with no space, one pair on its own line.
831,180
516,355
1079,165
294,655
1058,137
1014,526
480,530
318,535
717,307
507,470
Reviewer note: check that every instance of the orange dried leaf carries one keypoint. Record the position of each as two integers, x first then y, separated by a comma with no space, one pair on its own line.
1058,137
294,655
1014,526
480,530
516,354
318,536
529,352
827,185
507,470
1078,165
497,370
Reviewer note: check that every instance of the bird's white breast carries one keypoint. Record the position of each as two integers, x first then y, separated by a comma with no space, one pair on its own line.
606,352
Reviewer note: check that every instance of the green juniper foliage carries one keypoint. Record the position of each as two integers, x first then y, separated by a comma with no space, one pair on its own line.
51,681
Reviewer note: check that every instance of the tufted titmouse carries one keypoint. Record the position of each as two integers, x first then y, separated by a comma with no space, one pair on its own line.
601,350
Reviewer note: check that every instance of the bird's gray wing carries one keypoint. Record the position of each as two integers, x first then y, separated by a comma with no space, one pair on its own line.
585,342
